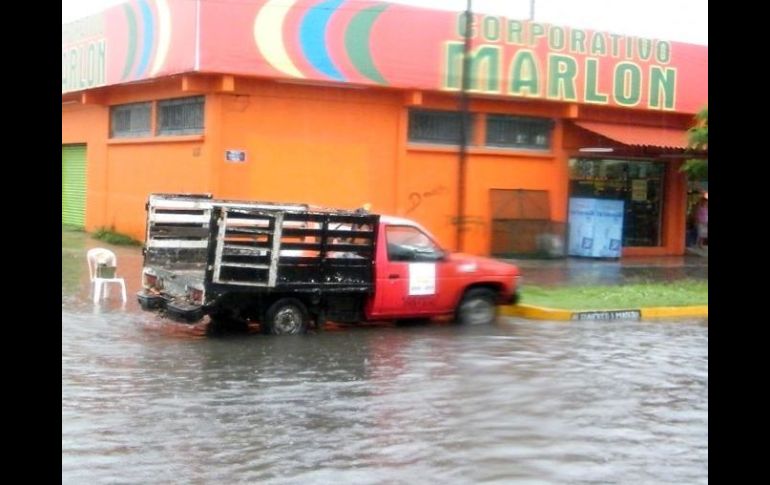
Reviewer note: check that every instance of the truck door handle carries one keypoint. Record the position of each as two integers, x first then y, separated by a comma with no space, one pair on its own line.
393,276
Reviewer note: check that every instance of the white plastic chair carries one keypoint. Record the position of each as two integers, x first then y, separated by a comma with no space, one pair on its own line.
103,257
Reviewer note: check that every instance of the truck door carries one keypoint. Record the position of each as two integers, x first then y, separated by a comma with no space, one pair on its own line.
409,272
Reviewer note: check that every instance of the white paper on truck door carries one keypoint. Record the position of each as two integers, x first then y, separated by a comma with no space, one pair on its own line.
422,279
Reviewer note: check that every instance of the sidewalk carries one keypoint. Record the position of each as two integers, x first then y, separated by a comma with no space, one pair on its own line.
584,271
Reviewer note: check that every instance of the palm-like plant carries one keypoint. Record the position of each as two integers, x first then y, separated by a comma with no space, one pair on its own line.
698,140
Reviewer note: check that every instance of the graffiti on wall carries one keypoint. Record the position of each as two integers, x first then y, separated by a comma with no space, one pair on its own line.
468,223
416,198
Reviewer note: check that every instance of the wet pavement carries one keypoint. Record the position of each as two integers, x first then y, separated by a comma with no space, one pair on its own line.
587,271
145,400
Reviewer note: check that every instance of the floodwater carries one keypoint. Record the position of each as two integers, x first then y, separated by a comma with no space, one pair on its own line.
145,400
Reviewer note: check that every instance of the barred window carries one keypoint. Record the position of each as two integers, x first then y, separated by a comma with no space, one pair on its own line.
182,116
519,132
130,120
442,127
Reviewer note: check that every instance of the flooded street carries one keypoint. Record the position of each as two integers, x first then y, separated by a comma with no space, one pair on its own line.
146,400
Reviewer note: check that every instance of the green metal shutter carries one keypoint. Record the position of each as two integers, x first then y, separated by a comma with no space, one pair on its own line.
73,185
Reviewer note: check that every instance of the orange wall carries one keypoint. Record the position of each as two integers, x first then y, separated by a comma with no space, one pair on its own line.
122,172
331,147
429,175
85,124
328,146
137,170
429,190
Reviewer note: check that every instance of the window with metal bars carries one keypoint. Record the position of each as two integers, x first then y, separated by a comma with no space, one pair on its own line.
130,120
518,132
440,127
181,116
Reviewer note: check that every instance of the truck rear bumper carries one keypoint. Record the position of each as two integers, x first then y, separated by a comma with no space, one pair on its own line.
176,310
151,301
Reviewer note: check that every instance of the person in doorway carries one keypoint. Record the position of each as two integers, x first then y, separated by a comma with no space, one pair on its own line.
702,221
691,229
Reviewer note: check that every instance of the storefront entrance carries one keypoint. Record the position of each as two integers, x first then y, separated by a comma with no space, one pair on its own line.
638,183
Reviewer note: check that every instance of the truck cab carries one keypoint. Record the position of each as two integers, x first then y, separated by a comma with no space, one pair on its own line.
415,277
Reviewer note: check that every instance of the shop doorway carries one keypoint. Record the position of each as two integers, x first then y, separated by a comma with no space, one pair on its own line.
638,183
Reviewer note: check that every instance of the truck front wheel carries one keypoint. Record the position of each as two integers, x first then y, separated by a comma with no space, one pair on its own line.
477,307
287,316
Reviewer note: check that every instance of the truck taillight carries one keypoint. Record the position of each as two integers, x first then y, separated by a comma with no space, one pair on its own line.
150,281
195,295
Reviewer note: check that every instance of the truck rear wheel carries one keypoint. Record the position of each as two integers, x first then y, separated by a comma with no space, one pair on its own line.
477,307
287,316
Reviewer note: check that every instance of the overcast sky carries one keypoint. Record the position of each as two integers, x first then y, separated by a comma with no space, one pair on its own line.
676,20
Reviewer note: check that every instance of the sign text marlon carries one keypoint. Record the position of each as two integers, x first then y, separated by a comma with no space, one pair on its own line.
542,61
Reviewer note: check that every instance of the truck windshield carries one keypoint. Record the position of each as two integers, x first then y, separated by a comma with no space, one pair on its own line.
407,243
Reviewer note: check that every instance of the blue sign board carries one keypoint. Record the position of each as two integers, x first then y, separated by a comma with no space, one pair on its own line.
595,227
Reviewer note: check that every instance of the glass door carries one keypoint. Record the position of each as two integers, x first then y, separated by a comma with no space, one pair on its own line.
638,183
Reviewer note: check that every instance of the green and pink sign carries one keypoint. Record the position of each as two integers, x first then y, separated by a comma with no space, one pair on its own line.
378,43
137,40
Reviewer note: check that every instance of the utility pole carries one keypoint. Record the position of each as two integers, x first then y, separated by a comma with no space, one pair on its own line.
464,124
531,10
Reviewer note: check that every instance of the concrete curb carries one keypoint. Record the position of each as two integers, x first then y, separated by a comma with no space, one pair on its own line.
559,315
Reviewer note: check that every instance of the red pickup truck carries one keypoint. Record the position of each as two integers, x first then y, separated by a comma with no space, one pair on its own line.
289,266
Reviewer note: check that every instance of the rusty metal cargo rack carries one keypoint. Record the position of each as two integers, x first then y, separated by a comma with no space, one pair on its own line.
258,246
311,250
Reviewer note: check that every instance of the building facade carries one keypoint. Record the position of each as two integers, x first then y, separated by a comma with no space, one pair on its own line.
340,103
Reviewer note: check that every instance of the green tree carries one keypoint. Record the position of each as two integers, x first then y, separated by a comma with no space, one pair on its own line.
698,140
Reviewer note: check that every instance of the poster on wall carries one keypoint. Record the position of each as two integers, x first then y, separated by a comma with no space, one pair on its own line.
639,190
595,227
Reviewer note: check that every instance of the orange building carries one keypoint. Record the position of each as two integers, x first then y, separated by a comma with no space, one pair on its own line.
340,103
